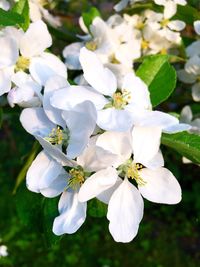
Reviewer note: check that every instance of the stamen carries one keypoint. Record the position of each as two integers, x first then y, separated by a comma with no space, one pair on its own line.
57,137
92,45
22,64
77,178
164,22
144,44
132,172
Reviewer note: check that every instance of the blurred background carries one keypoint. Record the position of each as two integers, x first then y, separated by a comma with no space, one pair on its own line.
168,235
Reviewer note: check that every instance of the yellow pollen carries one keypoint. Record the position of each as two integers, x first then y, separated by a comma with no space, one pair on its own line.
77,178
92,45
140,25
164,22
144,44
132,172
163,51
57,136
43,2
113,59
22,64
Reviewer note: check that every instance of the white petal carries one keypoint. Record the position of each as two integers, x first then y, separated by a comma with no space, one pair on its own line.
186,77
69,97
112,119
52,85
170,9
36,122
100,78
95,158
55,152
71,55
117,143
107,194
45,66
42,172
9,52
72,214
196,92
193,65
146,143
35,40
176,25
186,114
156,119
125,211
177,128
121,5
139,92
5,80
81,122
161,186
193,49
97,183
156,162
197,26
56,187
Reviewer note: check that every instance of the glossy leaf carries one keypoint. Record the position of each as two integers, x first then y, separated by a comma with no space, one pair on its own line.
22,8
160,77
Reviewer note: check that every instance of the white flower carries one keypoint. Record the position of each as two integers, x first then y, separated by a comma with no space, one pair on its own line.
4,4
37,12
165,27
197,26
3,251
125,204
26,93
191,74
186,116
123,3
114,109
170,6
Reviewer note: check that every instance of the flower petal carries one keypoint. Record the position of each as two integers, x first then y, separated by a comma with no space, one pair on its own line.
42,172
125,211
146,143
71,55
9,52
35,40
81,122
112,119
100,78
72,214
45,66
97,183
52,85
161,186
197,26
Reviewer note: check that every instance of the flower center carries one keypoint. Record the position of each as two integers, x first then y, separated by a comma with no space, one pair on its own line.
113,59
164,22
92,45
140,25
77,177
58,137
22,64
144,44
131,171
163,51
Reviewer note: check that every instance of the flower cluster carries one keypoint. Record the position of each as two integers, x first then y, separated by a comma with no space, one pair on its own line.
100,135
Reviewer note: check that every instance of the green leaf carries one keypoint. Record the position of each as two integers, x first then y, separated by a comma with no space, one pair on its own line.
187,144
187,14
10,18
21,176
159,76
50,211
89,16
28,207
97,208
1,117
22,8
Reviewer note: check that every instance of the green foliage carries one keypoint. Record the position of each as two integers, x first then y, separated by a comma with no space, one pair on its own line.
22,174
1,117
10,18
187,13
22,8
97,208
187,144
159,76
89,16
